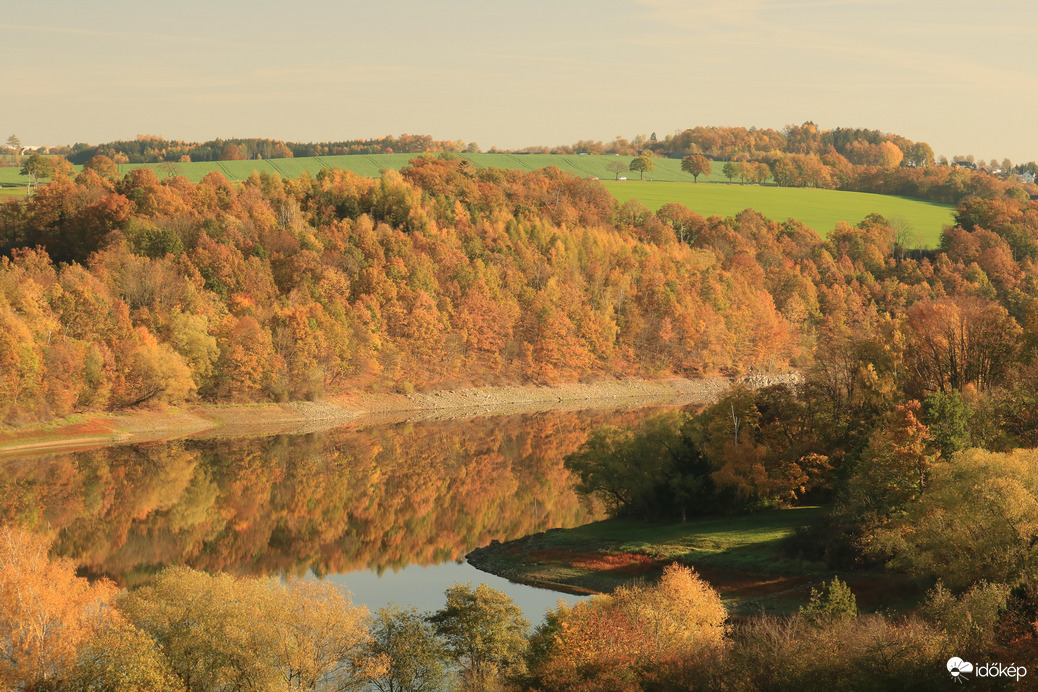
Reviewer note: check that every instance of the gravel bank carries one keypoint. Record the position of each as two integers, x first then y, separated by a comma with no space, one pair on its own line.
362,409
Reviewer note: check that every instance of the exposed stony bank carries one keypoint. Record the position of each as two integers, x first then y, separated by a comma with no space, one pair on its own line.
85,432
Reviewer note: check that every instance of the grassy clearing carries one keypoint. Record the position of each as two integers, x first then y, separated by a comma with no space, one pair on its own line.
819,209
9,175
739,556
370,165
742,542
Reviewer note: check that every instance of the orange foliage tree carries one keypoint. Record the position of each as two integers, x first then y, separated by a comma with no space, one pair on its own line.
640,636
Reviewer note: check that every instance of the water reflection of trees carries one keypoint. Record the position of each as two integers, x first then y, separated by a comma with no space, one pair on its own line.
331,502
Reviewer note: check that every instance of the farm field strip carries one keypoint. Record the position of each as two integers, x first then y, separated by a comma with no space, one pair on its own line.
369,165
819,209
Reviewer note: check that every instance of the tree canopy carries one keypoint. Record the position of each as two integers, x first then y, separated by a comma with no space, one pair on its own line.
642,164
696,165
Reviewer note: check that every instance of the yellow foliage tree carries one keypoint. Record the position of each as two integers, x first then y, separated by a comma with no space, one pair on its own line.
221,631
681,616
46,611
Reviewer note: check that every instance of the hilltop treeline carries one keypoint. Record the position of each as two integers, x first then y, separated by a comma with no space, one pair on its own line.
854,146
154,149
119,291
854,159
860,146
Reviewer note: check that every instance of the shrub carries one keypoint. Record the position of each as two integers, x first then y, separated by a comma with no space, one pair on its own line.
835,602
869,652
969,620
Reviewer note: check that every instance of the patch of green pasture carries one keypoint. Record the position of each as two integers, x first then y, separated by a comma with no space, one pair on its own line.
9,193
819,209
370,166
192,170
593,165
748,542
10,175
740,556
367,165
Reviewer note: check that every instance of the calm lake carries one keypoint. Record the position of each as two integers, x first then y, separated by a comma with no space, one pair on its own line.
388,511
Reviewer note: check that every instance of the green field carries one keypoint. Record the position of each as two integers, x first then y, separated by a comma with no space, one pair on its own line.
370,165
740,556
746,543
733,553
10,176
819,209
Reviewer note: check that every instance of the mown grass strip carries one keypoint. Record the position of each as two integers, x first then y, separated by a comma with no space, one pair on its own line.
819,209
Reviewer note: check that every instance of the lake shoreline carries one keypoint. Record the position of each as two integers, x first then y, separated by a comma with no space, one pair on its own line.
89,431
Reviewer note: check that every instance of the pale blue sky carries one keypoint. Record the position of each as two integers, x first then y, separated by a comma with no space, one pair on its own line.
962,76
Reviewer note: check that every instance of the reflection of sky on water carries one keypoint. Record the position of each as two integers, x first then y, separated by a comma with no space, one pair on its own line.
423,587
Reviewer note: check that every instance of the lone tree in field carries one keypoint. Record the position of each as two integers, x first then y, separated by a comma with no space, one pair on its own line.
616,168
732,169
170,168
642,164
696,165
36,167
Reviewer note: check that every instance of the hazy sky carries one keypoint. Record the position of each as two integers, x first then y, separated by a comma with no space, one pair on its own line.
962,76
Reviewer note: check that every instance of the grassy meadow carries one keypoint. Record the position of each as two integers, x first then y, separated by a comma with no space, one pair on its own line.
740,556
737,555
819,209
370,165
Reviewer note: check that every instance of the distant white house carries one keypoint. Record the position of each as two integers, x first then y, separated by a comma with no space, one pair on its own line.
1027,177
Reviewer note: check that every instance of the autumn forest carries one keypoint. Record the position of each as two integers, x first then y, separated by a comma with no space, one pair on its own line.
908,413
